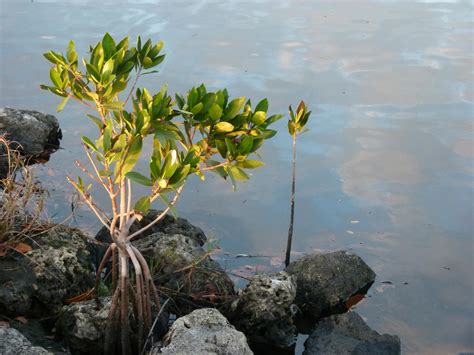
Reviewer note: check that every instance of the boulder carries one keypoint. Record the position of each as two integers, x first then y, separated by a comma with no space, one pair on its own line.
60,265
264,310
82,325
325,282
203,331
36,133
349,334
168,225
184,271
12,342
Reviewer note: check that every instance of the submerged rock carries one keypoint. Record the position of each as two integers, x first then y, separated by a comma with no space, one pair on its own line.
59,266
325,282
82,325
263,310
349,334
168,225
12,342
183,271
203,331
35,133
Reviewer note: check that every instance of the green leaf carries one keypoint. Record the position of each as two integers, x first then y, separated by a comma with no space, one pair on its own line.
220,171
262,106
55,77
93,72
109,46
238,173
196,109
234,107
71,53
250,164
272,119
89,143
114,106
97,121
142,205
215,112
224,127
133,155
62,104
171,207
245,145
139,178
222,148
258,117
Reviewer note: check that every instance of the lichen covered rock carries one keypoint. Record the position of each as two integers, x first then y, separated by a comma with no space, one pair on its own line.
82,325
60,265
349,334
203,331
325,282
183,271
264,310
12,342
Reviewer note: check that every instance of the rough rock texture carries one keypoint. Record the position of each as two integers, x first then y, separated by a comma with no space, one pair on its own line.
204,331
37,134
59,266
82,325
348,334
325,282
33,130
185,272
168,225
264,310
12,342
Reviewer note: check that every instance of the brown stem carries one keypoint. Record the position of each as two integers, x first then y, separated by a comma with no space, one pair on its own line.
101,267
292,213
110,338
124,323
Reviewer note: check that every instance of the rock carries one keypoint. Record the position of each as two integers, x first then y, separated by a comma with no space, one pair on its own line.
325,282
59,266
82,325
263,310
203,331
168,225
33,130
349,334
12,342
36,133
184,271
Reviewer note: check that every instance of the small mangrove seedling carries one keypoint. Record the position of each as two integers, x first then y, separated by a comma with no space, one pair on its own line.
296,126
194,134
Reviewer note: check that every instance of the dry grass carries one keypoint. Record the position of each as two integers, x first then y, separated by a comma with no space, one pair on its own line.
21,199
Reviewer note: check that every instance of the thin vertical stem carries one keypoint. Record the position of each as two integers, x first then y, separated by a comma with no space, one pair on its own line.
292,213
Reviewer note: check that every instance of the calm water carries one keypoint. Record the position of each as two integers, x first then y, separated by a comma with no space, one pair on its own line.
386,169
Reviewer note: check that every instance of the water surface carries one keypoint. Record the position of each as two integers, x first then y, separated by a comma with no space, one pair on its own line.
387,166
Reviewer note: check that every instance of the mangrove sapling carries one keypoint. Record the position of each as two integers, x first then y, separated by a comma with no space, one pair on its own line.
199,132
296,126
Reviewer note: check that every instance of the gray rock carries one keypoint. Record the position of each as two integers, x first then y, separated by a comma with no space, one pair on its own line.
82,325
33,133
183,271
33,130
325,282
12,342
204,331
349,334
59,266
263,310
168,225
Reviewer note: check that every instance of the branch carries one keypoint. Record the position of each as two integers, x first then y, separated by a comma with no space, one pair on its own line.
159,217
215,166
97,211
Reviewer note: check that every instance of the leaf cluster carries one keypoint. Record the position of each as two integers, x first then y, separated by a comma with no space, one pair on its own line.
194,133
298,120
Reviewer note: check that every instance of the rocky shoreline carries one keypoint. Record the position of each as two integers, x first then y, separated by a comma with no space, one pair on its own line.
41,314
